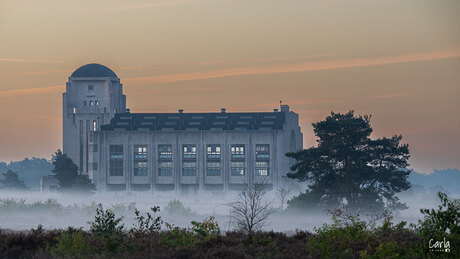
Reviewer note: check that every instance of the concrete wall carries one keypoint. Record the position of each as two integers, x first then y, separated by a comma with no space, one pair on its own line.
280,142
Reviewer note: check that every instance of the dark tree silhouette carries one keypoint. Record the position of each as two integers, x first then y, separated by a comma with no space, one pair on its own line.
29,169
349,169
11,180
66,172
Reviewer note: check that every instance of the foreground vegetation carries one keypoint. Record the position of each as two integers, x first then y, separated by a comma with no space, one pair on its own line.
346,237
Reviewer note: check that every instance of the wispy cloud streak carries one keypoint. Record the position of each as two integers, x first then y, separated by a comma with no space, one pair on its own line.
32,91
299,102
154,4
260,70
299,67
18,60
32,73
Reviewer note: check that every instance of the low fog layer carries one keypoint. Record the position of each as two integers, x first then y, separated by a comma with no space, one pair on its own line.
26,210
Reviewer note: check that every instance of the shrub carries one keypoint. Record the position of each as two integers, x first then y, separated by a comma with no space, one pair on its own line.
11,205
147,225
178,237
75,245
209,227
176,207
348,236
443,223
339,239
105,223
107,228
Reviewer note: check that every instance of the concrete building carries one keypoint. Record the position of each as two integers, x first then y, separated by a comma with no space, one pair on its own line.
48,183
186,152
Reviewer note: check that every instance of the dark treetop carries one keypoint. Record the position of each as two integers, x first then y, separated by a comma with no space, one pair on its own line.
349,169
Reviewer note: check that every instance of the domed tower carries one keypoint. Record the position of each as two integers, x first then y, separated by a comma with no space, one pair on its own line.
93,95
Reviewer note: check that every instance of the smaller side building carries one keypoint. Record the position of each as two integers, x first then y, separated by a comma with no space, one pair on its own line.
48,183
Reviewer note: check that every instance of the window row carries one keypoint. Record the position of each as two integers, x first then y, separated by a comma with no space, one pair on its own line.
91,103
188,168
213,152
189,164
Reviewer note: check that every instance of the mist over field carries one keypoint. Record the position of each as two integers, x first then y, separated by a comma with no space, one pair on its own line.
28,209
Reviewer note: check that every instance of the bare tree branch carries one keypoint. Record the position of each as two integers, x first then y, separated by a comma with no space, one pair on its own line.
251,209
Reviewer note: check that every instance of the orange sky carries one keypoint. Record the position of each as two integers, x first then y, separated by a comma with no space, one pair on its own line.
397,60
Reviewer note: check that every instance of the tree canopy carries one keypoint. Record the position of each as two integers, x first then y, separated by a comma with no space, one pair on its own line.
29,169
349,169
11,180
66,172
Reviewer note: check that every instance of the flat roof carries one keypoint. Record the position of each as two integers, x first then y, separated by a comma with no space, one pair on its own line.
196,121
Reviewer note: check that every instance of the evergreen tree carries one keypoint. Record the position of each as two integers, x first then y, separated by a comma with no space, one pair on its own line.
11,180
66,172
349,169
83,183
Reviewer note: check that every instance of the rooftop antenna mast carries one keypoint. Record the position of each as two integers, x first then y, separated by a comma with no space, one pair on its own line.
281,102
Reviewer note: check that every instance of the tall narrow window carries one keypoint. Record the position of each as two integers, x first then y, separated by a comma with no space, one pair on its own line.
81,138
96,103
140,160
165,160
90,103
116,160
213,154
262,159
189,160
94,126
237,160
87,134
85,103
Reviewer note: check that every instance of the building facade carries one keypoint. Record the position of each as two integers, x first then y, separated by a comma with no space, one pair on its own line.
186,152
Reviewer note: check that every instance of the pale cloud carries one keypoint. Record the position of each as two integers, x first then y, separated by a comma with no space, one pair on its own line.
395,95
172,90
152,4
32,91
18,60
299,102
229,61
258,70
299,67
32,73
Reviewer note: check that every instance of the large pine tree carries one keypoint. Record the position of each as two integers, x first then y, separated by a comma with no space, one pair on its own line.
349,169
